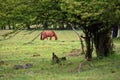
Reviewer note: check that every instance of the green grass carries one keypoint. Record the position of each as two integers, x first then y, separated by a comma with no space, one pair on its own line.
15,51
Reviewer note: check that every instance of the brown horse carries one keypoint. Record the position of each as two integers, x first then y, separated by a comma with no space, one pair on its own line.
50,33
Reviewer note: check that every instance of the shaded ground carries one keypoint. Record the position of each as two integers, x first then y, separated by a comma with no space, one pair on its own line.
74,53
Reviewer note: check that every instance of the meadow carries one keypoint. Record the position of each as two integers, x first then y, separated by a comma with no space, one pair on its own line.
15,50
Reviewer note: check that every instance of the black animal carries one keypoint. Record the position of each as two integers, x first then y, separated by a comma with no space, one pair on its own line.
63,59
55,58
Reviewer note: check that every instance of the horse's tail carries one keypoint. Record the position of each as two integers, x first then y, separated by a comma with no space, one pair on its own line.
56,38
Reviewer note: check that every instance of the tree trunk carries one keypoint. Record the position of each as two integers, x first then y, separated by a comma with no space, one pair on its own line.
88,39
45,24
68,26
13,25
115,31
28,26
9,26
62,27
3,27
103,43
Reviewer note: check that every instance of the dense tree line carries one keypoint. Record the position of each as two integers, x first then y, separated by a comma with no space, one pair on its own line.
37,14
55,14
95,17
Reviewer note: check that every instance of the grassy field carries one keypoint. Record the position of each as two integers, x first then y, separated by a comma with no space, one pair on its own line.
15,51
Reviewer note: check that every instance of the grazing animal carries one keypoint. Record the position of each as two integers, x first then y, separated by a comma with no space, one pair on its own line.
50,33
55,59
63,58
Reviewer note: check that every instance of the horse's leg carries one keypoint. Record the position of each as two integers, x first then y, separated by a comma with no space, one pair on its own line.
50,37
43,38
47,38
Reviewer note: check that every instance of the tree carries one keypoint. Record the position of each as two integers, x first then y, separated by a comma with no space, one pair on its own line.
95,21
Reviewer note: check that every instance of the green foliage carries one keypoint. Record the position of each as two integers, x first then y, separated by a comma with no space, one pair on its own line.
104,11
37,12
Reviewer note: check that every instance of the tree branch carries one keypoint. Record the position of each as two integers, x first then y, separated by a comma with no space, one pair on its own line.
33,39
80,37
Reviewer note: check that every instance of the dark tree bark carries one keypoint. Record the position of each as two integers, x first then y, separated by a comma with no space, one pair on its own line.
89,46
13,25
100,36
115,31
45,25
68,26
9,26
103,43
28,26
3,27
61,27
